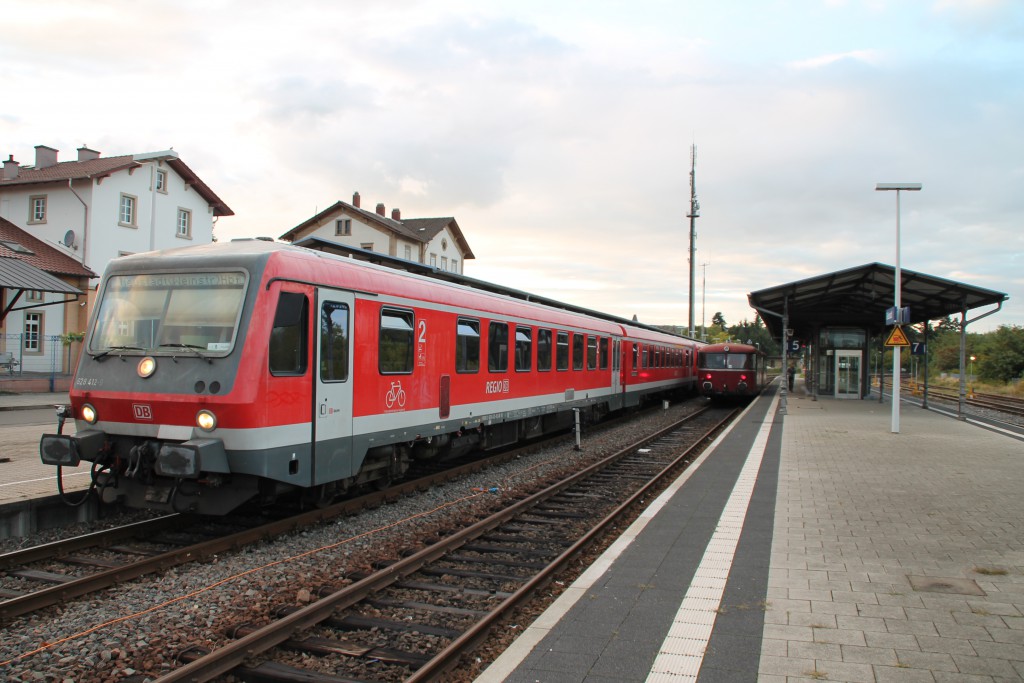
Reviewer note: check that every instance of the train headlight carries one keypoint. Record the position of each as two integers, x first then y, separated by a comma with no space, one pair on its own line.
206,420
89,414
146,367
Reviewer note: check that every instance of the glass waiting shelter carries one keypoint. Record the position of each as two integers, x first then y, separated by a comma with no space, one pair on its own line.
831,323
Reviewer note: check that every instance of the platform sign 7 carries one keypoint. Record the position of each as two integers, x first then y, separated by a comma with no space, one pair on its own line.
918,348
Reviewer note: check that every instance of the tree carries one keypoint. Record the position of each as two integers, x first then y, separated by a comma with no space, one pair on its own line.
1000,354
755,333
718,320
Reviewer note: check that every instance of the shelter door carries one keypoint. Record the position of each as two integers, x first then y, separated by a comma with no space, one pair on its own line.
847,373
332,419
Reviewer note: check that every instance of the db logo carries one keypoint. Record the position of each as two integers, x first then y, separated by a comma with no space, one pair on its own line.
142,411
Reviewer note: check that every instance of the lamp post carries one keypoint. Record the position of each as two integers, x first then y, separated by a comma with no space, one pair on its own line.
898,285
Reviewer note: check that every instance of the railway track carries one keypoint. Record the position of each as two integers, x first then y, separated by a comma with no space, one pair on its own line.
414,618
34,578
997,402
38,577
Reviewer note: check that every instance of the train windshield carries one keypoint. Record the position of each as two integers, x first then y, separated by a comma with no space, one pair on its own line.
725,361
167,312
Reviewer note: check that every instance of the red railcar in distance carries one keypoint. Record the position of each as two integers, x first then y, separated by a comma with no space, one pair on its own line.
731,371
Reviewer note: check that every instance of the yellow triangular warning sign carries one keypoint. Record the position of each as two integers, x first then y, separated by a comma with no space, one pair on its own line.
897,338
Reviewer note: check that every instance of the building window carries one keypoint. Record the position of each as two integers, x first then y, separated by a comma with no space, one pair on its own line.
408,253
343,227
32,341
37,208
185,223
161,181
433,260
444,263
368,246
33,295
126,213
455,265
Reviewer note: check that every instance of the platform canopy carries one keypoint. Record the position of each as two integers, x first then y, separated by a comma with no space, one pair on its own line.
859,297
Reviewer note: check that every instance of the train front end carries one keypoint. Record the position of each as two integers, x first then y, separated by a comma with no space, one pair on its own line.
156,391
728,371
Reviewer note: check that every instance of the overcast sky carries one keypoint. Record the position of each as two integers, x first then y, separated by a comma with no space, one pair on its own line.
558,133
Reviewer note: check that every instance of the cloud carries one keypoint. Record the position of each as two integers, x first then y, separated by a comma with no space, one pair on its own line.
870,57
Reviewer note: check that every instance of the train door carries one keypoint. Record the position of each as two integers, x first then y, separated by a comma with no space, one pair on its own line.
616,367
332,421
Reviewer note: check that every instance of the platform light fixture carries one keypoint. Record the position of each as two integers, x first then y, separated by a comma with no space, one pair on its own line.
897,286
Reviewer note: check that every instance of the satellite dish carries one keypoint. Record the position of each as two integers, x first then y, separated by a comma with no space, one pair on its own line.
69,239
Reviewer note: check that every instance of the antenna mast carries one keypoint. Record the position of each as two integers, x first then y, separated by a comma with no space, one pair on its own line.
693,215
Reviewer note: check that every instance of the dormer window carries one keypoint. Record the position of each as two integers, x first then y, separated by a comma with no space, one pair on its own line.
16,246
343,227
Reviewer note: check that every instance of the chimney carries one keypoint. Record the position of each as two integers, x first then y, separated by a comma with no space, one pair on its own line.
11,168
86,154
45,157
396,214
355,200
380,208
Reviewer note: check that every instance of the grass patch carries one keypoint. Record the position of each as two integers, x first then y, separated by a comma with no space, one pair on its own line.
990,571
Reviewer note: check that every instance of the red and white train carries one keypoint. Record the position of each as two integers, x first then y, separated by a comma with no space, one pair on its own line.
216,374
731,371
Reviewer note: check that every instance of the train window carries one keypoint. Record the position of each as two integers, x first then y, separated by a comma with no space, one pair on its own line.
647,358
604,353
578,342
562,351
497,347
396,341
544,350
636,358
333,342
288,355
524,349
591,353
467,345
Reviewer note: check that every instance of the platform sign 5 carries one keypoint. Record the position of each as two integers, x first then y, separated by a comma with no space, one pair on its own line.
794,346
918,348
